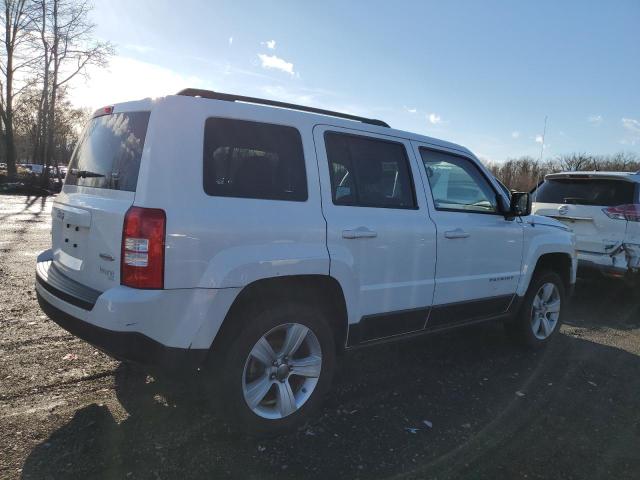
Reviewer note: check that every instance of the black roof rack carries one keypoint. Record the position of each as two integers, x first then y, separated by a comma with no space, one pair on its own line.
196,92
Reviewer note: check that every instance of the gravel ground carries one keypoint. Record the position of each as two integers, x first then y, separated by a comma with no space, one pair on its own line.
465,404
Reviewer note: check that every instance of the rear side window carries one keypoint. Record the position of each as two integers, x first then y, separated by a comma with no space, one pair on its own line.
109,151
368,172
600,192
253,160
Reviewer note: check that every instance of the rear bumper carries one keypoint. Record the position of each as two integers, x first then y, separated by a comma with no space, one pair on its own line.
171,329
619,263
130,346
589,266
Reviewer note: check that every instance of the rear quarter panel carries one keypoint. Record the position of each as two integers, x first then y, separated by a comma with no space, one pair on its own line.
221,242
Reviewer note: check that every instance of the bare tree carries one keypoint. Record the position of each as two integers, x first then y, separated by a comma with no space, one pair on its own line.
67,40
69,123
44,45
39,145
524,173
576,162
16,20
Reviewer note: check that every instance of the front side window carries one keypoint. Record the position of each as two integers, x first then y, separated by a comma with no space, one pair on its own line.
253,160
457,184
368,172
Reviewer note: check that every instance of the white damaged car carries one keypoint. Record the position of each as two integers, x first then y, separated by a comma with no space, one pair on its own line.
603,210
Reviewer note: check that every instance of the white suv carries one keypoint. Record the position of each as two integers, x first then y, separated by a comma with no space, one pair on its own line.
258,240
603,209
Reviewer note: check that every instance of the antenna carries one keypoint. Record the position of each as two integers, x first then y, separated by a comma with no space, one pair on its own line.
544,133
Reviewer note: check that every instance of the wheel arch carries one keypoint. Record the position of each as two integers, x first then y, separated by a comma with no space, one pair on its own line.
551,248
558,262
323,291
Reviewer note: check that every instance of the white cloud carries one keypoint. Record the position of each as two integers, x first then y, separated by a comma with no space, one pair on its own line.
128,79
539,139
314,97
277,63
230,41
139,48
296,96
410,109
226,68
594,119
270,44
434,118
515,134
632,126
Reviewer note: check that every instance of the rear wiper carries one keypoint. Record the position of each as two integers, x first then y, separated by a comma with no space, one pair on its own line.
85,173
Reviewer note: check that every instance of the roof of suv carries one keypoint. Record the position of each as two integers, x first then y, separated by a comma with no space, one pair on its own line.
321,115
628,176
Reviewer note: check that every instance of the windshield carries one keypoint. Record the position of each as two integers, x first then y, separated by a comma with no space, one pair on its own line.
109,151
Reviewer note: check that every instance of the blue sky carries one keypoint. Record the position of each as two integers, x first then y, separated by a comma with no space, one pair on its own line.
483,74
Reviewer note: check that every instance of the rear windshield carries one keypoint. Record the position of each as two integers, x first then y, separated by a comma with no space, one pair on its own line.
108,153
605,192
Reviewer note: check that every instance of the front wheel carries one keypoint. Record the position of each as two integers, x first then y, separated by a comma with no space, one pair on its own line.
540,314
276,371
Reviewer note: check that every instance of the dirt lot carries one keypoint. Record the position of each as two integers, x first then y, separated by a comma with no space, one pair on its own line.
570,411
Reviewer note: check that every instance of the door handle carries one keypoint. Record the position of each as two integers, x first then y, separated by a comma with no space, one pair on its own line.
360,232
457,233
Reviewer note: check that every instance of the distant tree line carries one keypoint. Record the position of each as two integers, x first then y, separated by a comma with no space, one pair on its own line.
44,44
524,173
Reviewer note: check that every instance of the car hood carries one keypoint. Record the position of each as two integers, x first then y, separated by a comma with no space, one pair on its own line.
546,221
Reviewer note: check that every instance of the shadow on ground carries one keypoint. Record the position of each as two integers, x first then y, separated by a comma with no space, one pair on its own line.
569,411
601,303
29,201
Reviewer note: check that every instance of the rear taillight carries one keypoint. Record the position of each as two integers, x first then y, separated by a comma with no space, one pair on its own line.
630,212
142,259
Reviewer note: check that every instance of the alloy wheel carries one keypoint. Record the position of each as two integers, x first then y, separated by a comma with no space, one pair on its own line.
545,311
282,371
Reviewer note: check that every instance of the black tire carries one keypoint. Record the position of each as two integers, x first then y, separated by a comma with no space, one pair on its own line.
227,365
520,328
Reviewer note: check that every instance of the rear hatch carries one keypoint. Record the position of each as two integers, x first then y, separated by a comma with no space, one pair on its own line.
100,186
579,201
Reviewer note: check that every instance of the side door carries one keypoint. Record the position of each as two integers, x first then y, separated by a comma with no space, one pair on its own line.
381,241
479,251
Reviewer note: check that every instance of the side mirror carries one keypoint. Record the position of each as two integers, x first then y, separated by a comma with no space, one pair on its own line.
520,204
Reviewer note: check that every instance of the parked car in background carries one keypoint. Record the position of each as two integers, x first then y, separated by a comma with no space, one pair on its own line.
258,241
34,168
56,178
59,171
603,210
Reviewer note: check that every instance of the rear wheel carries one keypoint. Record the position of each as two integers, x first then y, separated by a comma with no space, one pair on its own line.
276,370
540,315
